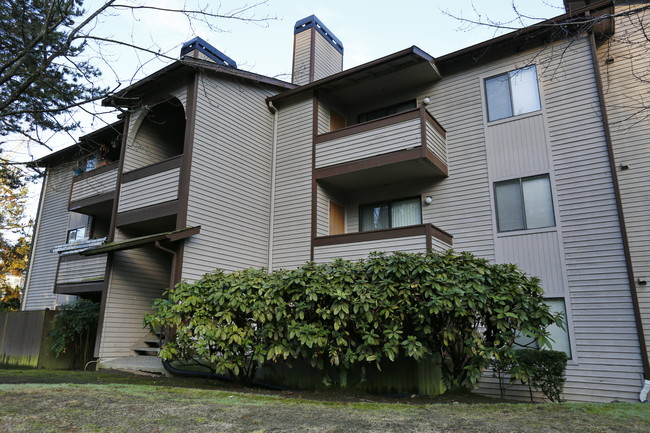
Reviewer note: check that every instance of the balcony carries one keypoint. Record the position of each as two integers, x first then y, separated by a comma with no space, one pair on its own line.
93,191
149,192
353,246
403,147
80,275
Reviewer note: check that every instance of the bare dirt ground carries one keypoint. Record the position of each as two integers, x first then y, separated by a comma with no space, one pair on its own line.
47,401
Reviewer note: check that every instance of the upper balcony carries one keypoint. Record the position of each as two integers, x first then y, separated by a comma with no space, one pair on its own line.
353,246
149,192
94,191
402,147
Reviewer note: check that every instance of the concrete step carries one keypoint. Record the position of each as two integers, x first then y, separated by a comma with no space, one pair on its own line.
152,342
150,351
145,365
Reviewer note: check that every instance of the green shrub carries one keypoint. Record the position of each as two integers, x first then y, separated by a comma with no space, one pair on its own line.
342,314
73,326
543,370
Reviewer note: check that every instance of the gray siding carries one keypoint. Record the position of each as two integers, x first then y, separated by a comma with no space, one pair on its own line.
88,269
142,144
327,59
625,88
157,188
51,231
95,185
379,141
292,222
606,362
435,142
323,118
360,250
138,276
302,57
230,178
462,204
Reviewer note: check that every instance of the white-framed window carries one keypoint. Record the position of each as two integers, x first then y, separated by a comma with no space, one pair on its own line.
512,93
524,203
78,227
389,214
558,336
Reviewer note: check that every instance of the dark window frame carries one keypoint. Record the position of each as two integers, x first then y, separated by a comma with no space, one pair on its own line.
523,202
508,76
390,213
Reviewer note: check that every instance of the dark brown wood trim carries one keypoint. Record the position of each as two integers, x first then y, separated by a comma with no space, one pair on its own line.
312,54
159,167
370,162
368,126
423,132
147,213
314,185
619,208
429,233
76,288
89,201
375,235
99,170
436,125
118,184
432,159
188,147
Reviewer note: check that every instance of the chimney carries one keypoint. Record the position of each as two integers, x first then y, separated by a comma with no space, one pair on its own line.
200,49
317,53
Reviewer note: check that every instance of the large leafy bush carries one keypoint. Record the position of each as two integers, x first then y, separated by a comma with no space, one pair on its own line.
459,308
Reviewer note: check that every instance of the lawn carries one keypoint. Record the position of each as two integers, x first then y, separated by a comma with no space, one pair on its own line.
59,401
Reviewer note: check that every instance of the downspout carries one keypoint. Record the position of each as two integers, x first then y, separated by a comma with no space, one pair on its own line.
643,394
274,146
172,277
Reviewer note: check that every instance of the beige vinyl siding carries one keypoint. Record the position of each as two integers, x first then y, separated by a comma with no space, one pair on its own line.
322,212
327,59
462,204
85,270
292,222
323,118
517,147
435,142
157,188
359,250
302,57
603,338
379,141
138,276
586,179
230,178
626,88
537,254
142,147
51,232
95,185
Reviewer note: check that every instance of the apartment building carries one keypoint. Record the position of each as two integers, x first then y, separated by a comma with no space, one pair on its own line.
517,149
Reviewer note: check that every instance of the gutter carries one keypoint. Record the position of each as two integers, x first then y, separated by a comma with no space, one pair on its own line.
274,147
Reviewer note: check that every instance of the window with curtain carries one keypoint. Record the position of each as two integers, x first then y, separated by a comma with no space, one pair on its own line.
524,203
385,215
513,93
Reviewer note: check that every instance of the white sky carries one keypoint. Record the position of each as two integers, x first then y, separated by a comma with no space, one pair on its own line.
368,30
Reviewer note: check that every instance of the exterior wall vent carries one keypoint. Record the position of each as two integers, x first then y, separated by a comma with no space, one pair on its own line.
317,53
200,49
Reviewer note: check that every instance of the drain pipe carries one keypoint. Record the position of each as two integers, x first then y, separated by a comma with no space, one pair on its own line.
643,395
274,146
172,278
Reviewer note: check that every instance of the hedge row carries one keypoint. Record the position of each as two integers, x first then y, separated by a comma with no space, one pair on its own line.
460,308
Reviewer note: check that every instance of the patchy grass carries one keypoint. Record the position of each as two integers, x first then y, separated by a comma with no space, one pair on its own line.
57,401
